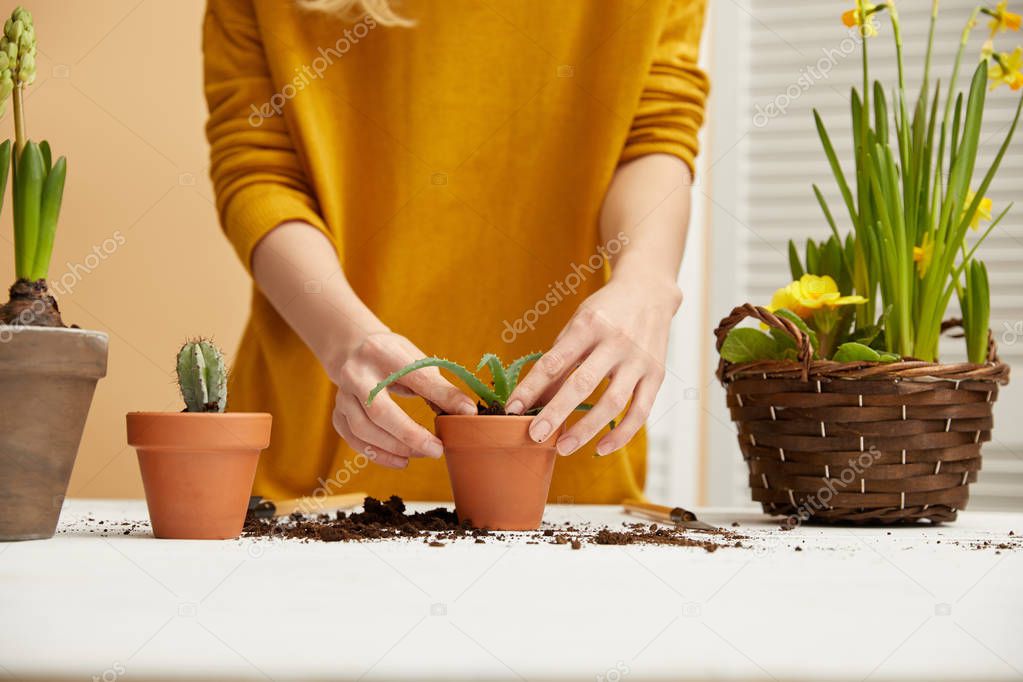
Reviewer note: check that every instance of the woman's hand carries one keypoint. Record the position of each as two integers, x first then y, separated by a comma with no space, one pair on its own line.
621,333
382,430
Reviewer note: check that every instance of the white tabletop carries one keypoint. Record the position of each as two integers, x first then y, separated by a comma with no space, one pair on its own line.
905,603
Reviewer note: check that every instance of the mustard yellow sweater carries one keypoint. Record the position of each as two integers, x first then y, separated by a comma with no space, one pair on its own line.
458,167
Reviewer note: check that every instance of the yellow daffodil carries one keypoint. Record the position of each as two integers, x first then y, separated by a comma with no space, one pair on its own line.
853,18
1007,68
923,254
1003,19
809,294
983,209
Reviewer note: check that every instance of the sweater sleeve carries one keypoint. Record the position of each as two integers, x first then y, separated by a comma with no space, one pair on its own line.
258,178
670,110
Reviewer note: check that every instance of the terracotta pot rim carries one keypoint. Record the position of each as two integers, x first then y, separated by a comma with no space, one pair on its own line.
199,431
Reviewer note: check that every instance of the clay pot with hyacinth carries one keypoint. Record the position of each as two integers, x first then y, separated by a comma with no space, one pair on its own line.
845,412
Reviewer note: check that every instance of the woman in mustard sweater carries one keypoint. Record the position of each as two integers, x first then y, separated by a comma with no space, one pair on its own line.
449,177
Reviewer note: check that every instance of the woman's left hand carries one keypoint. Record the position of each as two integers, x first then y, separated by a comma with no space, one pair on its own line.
621,333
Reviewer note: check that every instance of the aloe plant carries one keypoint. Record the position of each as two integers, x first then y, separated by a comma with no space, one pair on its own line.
37,180
504,379
202,376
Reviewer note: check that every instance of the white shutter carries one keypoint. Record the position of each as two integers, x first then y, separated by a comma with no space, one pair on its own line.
768,197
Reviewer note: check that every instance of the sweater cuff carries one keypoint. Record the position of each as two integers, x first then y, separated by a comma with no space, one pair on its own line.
258,209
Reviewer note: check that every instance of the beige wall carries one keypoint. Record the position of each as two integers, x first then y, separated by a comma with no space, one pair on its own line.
119,92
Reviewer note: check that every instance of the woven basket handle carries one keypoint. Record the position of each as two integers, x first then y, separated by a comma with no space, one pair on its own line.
992,347
804,350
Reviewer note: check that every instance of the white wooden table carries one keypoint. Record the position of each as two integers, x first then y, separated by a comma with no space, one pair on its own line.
908,603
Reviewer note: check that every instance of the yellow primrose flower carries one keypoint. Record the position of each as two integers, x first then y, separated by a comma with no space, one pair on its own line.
1003,20
923,254
983,209
809,294
1006,68
852,18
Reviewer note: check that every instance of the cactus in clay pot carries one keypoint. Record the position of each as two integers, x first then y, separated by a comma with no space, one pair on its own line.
202,376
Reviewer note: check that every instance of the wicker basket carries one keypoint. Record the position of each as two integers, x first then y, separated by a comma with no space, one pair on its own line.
859,442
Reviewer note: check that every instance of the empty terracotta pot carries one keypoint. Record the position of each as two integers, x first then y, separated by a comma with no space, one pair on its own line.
500,477
197,469
47,378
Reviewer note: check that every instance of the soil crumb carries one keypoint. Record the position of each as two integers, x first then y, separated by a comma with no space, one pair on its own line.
389,520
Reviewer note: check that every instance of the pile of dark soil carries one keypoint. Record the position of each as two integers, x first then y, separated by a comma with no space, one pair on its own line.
389,520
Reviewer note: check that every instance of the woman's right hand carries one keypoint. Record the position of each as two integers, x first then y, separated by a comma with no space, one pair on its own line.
383,431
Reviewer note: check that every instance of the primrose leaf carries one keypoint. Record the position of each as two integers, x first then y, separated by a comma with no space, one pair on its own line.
856,352
746,345
784,340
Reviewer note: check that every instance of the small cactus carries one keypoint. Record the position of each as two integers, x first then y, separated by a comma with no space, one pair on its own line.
202,376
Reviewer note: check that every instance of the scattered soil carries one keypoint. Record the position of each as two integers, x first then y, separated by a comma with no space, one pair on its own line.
389,520
31,305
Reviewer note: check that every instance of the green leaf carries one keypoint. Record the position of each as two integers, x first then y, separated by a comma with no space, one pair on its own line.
890,357
53,193
746,345
795,267
497,372
786,342
28,189
856,352
478,387
515,368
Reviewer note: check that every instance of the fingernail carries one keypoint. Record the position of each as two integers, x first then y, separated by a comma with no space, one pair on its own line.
567,445
603,449
514,407
434,448
540,430
468,409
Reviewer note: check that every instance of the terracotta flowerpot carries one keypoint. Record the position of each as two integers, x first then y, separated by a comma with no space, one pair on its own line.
47,379
499,475
197,469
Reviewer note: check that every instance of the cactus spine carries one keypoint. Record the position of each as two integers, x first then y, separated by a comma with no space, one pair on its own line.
202,377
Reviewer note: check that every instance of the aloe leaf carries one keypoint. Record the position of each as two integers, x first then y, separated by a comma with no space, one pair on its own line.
53,192
478,387
497,372
515,368
28,189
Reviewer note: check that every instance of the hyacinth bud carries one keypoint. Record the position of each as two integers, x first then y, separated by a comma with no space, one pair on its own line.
17,52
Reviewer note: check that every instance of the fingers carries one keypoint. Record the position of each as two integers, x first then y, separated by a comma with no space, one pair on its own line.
363,428
429,384
642,403
611,404
545,374
385,459
386,414
576,388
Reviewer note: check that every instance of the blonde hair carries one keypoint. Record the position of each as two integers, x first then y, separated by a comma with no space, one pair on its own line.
379,10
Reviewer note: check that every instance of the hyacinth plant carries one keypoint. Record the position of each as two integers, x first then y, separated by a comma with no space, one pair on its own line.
912,198
492,397
37,183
